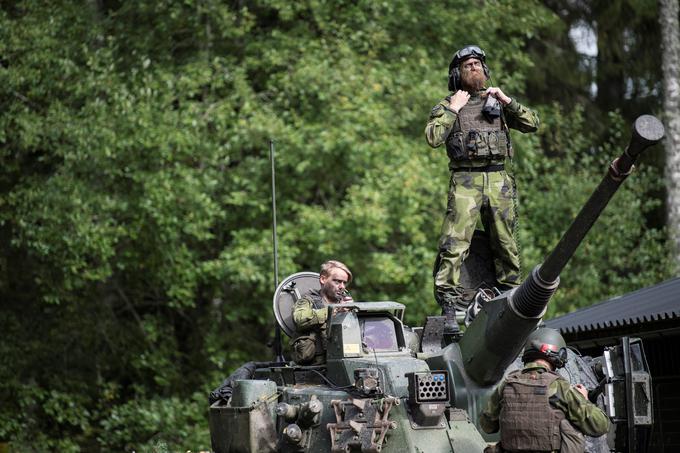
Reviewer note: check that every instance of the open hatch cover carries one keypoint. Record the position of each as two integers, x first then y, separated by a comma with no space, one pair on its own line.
290,290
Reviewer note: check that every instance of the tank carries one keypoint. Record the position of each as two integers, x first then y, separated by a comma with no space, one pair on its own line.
388,387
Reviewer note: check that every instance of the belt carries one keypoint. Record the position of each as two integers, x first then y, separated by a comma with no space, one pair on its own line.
487,168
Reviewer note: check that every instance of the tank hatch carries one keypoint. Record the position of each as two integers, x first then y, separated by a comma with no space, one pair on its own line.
288,291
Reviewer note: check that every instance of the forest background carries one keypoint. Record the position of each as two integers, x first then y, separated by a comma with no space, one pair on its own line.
136,263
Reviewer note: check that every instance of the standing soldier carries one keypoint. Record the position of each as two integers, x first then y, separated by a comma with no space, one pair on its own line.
473,123
536,409
310,313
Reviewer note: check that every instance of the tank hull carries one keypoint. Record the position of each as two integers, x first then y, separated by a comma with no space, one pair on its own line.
254,427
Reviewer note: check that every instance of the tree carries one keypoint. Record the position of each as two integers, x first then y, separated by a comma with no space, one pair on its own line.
670,63
135,270
624,70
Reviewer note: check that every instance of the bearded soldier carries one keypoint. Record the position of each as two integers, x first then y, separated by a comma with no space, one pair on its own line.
310,313
536,409
472,122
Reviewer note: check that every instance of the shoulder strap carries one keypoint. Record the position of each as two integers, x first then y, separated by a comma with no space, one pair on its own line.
511,152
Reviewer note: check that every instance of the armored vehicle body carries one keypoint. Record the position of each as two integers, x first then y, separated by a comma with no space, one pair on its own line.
387,387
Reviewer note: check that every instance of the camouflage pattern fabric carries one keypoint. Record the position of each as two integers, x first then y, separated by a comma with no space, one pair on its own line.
309,315
589,419
471,194
309,312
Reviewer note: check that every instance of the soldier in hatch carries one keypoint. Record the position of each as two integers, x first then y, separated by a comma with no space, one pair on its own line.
536,409
310,313
472,122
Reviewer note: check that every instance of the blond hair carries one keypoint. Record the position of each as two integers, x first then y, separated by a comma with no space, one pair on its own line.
333,264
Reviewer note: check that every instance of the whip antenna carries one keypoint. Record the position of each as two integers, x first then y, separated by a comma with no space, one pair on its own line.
276,243
277,332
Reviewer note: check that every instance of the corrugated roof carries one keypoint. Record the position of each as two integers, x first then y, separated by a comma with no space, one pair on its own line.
655,303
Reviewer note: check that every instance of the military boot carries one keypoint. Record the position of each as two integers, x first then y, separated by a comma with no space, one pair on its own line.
451,324
449,299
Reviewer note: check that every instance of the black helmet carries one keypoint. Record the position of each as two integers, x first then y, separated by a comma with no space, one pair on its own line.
546,344
459,57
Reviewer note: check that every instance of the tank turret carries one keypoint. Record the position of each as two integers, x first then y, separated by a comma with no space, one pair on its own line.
386,387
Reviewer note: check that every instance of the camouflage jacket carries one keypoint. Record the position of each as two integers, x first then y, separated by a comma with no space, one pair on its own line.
310,314
441,122
584,415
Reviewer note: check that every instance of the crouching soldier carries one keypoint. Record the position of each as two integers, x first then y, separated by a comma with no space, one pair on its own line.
536,409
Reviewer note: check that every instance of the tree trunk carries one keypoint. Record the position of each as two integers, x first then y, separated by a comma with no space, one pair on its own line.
670,42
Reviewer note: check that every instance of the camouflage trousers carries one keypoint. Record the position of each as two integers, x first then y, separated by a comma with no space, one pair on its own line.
471,195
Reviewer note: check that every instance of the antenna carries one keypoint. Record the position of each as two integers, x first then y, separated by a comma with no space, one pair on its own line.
272,157
278,351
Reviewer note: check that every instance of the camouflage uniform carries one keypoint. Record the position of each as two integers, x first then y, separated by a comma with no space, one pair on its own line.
310,314
479,184
581,414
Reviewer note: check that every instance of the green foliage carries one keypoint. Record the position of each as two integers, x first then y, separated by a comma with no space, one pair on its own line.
67,412
136,268
159,423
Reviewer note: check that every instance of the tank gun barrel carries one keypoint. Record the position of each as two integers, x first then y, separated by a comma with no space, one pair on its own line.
647,131
533,296
496,336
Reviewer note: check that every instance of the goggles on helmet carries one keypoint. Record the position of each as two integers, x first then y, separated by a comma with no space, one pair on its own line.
554,353
469,52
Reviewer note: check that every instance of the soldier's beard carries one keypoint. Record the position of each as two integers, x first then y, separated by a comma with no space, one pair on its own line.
473,81
330,295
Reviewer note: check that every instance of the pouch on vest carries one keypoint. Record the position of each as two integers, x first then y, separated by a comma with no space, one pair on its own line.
497,142
304,349
476,145
479,145
572,439
455,146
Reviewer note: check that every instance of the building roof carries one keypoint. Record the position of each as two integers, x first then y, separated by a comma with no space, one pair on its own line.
659,303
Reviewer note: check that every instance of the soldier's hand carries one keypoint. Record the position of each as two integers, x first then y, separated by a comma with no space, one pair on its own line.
458,100
498,94
582,390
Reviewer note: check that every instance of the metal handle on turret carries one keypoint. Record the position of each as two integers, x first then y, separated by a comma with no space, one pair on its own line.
647,131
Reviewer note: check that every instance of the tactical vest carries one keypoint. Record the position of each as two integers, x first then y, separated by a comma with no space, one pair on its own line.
527,420
473,137
310,348
321,340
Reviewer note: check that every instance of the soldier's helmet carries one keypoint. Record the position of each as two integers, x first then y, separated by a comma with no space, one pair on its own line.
546,344
463,54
